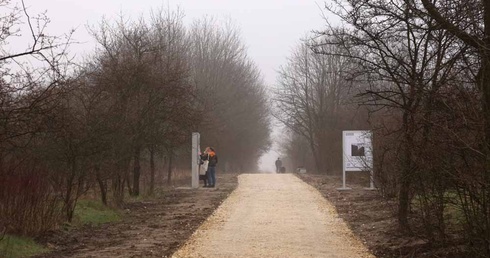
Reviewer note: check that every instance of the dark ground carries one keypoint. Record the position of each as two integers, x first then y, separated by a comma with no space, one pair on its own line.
158,227
150,228
373,219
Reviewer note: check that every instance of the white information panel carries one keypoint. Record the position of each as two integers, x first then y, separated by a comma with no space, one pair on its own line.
357,153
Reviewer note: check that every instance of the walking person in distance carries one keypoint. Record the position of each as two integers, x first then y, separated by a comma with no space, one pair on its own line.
278,165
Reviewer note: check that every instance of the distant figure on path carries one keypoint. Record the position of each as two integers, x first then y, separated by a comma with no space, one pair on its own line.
278,165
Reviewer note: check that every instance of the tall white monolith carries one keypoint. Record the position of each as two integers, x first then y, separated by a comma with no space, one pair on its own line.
195,160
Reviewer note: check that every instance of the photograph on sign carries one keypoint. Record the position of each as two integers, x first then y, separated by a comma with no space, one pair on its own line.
357,150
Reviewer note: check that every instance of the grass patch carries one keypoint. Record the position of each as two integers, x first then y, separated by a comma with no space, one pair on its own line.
94,212
13,247
453,214
138,198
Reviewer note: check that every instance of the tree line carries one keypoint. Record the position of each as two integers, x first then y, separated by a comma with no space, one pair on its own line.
416,72
114,122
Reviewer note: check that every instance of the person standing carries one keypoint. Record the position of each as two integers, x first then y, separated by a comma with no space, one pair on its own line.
213,161
278,165
203,169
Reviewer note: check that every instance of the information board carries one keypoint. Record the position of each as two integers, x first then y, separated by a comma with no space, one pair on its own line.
357,154
357,148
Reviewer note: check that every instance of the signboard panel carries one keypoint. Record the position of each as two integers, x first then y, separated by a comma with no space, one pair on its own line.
357,148
357,154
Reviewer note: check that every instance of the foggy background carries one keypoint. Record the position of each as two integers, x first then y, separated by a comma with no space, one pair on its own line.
270,28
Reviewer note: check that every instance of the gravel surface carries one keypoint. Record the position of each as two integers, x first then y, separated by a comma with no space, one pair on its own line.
273,215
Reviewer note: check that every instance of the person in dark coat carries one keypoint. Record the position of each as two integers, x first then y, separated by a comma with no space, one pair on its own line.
278,165
210,155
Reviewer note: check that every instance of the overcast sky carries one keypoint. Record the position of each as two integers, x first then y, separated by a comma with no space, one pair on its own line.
270,28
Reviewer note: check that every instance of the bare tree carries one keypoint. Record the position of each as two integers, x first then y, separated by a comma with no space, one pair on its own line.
310,100
393,44
33,79
231,95
471,25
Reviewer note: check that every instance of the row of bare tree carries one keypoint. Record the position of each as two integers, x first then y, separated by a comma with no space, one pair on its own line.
111,124
313,100
420,71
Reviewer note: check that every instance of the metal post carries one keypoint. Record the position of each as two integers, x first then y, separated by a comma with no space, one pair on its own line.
344,187
195,160
343,179
371,183
343,169
371,165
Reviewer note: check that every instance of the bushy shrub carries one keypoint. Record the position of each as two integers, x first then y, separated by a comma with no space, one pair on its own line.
28,204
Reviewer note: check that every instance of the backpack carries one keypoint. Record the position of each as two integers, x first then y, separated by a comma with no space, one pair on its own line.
203,168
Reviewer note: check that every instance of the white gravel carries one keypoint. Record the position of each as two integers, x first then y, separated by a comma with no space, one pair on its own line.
273,215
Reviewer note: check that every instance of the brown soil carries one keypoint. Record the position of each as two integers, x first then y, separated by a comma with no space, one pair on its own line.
160,226
149,228
373,219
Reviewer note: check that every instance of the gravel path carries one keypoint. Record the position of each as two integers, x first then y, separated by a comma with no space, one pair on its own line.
273,215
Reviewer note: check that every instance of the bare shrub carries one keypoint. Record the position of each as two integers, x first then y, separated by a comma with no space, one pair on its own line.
28,203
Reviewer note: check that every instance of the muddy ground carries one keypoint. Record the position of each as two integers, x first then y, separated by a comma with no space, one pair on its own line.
158,227
373,219
150,228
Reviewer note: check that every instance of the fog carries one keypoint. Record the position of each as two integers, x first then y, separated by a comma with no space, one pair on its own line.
270,29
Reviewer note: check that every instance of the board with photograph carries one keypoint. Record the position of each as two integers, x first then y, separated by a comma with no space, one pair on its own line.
357,150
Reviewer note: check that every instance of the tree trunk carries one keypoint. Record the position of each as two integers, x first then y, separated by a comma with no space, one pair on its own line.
169,171
152,171
313,149
102,185
128,183
136,171
68,198
405,178
164,166
404,199
119,181
69,202
118,188
485,85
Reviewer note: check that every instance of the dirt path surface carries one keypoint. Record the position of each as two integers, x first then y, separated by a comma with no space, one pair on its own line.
273,215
